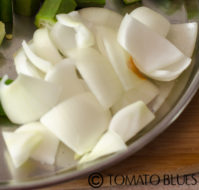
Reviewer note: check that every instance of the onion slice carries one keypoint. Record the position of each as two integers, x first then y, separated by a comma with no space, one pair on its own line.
99,75
154,55
44,47
64,74
108,144
130,120
40,63
78,122
27,99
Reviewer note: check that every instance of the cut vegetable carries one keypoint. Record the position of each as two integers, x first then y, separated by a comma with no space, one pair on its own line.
152,19
145,91
108,144
27,98
99,75
26,7
130,120
50,8
44,47
154,55
64,74
2,32
20,145
24,66
78,122
37,61
6,16
63,37
127,2
105,17
90,3
187,32
42,153
119,59
84,37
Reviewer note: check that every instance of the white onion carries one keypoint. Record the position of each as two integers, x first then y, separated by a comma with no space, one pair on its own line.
184,36
105,17
109,143
146,91
37,61
99,75
27,99
46,151
44,47
78,122
130,120
154,55
64,74
24,66
84,37
152,19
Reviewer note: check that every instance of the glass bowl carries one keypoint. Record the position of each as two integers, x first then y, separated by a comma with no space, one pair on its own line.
34,174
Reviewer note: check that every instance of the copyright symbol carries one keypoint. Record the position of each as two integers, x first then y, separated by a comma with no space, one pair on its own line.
95,180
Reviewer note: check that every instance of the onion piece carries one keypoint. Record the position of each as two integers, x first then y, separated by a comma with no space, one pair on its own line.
63,37
184,36
64,74
145,91
78,122
21,144
152,19
84,38
24,66
27,99
105,17
42,152
154,55
44,47
109,47
37,61
109,143
99,75
130,120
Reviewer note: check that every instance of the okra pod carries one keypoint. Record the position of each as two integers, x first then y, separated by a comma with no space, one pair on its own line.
90,3
127,2
49,10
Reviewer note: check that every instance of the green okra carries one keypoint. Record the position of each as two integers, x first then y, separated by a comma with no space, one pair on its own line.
26,7
6,16
127,2
90,3
49,10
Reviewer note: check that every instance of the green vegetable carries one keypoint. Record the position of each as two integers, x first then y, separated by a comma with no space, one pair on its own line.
127,2
2,113
90,3
2,31
50,8
6,16
26,7
192,9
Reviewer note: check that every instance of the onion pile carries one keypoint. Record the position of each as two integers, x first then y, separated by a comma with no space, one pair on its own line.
87,81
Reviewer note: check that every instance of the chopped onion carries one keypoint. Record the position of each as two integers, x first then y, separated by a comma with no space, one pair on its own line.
99,75
109,143
145,91
21,144
131,119
24,66
184,36
78,122
46,151
152,19
63,38
101,16
44,47
64,74
154,55
27,99
84,38
40,63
